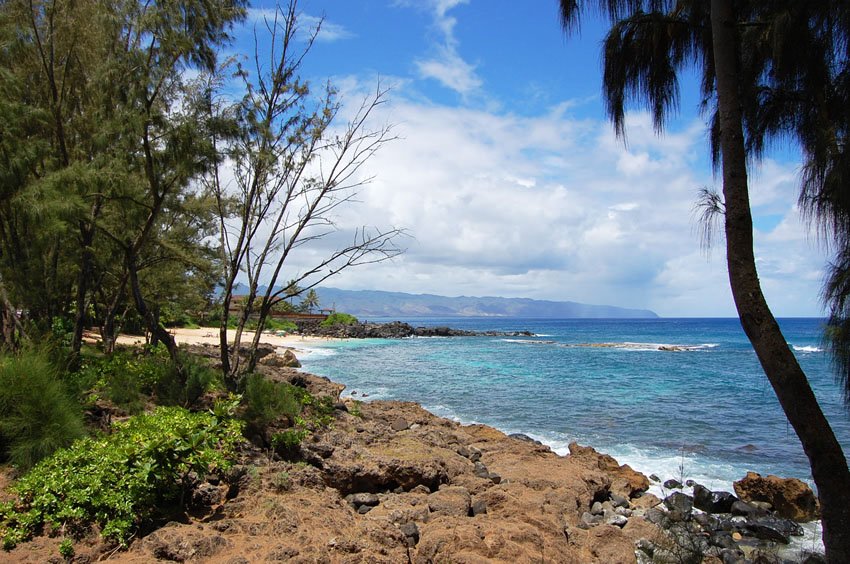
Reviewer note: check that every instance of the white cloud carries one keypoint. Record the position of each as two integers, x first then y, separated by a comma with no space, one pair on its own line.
500,204
328,32
307,24
451,71
447,66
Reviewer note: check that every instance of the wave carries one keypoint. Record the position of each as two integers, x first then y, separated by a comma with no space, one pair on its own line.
631,346
306,353
807,348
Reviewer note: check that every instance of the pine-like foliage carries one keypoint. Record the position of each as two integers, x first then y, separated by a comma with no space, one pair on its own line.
37,414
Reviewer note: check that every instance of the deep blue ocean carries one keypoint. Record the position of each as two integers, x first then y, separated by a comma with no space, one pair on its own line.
706,413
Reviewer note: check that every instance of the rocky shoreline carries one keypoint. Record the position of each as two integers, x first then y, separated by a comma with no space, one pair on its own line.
394,330
389,482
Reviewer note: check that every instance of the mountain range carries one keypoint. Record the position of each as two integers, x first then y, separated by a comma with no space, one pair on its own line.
374,303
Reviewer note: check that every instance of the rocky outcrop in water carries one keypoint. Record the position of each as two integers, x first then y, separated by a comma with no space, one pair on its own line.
395,330
790,497
718,525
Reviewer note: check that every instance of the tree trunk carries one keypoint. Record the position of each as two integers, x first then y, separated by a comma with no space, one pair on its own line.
156,330
829,466
87,230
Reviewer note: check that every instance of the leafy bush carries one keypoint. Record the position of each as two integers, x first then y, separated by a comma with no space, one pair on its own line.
37,414
266,401
125,375
339,319
287,440
118,480
143,370
281,325
186,384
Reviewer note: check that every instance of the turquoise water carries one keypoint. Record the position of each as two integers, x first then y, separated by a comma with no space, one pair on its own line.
707,413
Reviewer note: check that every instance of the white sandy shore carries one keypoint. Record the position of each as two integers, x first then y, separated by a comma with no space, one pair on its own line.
209,335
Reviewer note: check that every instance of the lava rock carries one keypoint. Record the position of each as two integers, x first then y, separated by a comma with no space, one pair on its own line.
791,498
680,503
713,502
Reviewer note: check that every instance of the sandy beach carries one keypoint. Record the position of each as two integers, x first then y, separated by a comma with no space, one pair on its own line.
209,335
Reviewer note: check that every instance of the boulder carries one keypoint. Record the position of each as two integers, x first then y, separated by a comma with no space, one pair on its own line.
451,501
285,360
746,509
679,504
672,484
624,480
713,502
766,532
790,497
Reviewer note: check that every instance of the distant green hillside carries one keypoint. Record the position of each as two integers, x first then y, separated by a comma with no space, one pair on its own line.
371,303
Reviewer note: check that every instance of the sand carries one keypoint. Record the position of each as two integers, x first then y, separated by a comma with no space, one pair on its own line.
209,335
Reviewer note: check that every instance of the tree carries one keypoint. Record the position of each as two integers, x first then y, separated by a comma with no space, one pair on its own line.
649,42
310,302
104,139
291,167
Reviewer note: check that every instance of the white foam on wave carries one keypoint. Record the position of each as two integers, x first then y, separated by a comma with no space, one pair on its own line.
807,348
663,347
306,353
379,393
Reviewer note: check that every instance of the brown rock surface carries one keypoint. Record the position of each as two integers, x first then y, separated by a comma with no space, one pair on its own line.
624,481
424,479
791,498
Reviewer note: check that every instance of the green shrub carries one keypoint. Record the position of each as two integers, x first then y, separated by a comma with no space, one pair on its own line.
37,414
266,401
287,440
145,370
123,390
339,319
66,549
281,325
118,480
125,375
186,384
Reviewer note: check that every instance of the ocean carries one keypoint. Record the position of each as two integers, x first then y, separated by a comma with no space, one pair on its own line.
705,412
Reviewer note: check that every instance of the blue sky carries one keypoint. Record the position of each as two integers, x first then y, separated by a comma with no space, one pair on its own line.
509,179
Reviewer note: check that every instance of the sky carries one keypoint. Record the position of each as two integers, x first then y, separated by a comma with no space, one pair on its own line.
508,178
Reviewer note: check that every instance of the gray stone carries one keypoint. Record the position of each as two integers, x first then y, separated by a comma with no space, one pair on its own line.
723,539
713,502
655,516
616,520
654,478
619,501
480,470
478,507
495,478
746,509
364,509
732,556
596,508
363,498
588,520
624,511
673,484
766,532
411,533
645,546
677,501
400,425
